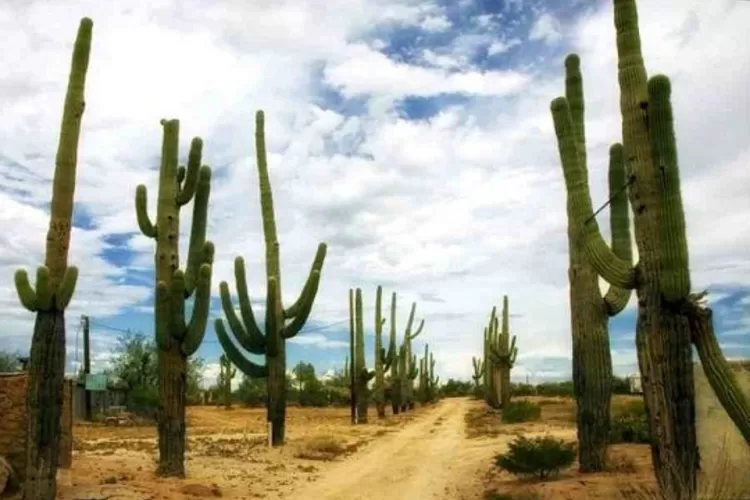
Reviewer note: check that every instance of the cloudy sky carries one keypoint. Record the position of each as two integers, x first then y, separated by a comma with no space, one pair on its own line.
414,137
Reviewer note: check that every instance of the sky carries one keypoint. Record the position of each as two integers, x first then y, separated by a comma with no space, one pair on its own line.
413,137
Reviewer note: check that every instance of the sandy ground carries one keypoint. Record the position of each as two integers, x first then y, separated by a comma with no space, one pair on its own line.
440,452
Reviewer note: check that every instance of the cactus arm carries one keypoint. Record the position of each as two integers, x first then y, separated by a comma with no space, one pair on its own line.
25,291
246,366
300,319
616,298
65,289
196,328
718,372
196,249
141,211
673,249
310,285
177,324
609,266
191,177
250,337
417,331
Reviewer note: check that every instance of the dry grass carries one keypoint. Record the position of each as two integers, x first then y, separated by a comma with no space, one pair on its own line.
325,448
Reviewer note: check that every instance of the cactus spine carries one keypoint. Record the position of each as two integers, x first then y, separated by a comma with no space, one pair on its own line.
53,291
669,317
383,359
272,340
361,374
503,352
592,360
175,338
226,374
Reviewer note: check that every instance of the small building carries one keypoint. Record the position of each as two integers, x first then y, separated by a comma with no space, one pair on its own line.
635,384
113,398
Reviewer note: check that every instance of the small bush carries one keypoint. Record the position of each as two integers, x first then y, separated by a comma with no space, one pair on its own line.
541,456
521,411
322,448
630,425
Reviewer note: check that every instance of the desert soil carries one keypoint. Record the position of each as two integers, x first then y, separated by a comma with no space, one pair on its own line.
443,451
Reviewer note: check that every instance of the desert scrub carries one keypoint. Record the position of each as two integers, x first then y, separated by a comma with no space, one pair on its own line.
521,411
540,457
630,424
524,495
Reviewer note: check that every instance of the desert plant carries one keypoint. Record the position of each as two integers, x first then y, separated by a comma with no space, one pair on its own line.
226,374
411,369
383,358
176,338
521,411
478,365
670,318
502,351
361,375
53,291
272,340
589,310
542,457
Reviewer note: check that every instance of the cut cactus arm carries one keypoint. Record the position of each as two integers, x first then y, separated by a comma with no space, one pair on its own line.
252,370
310,287
187,190
141,211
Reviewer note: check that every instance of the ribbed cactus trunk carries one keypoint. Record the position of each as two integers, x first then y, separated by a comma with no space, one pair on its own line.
55,284
411,370
397,370
352,358
383,358
363,375
270,341
493,378
226,374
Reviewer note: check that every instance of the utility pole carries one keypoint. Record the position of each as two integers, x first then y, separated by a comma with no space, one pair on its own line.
86,364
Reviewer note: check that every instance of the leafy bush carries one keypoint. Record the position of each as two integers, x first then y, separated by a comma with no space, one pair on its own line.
144,401
521,411
630,424
541,456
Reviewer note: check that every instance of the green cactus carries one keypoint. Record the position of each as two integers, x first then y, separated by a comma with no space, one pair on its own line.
362,374
427,380
491,369
383,359
175,338
589,310
226,374
270,342
53,291
669,317
478,374
411,369
503,353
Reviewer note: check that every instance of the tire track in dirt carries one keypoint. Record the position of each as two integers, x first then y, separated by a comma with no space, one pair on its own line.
430,458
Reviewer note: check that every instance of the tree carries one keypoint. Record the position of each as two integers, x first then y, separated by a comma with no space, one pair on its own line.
9,361
252,391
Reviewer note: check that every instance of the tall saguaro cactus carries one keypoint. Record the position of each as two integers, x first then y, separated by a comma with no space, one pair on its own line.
383,358
669,317
503,352
589,311
226,374
492,380
270,342
411,370
53,291
362,375
175,338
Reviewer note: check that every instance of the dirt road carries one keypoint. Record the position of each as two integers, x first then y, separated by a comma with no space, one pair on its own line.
430,458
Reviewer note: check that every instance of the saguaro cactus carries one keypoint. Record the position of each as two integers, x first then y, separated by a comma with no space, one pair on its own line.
411,370
478,374
669,317
53,290
175,338
492,379
503,352
362,375
589,311
383,359
226,374
246,331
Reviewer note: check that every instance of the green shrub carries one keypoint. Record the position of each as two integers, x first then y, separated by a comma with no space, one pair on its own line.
522,390
144,401
541,456
521,411
630,424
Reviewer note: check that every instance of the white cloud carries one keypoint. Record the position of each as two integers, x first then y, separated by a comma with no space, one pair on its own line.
467,205
546,28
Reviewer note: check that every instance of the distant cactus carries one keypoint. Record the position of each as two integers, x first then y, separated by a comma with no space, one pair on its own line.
55,284
427,381
383,358
478,374
271,341
226,374
503,352
411,369
491,370
362,375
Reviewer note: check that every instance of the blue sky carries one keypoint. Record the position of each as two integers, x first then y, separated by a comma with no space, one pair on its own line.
413,137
